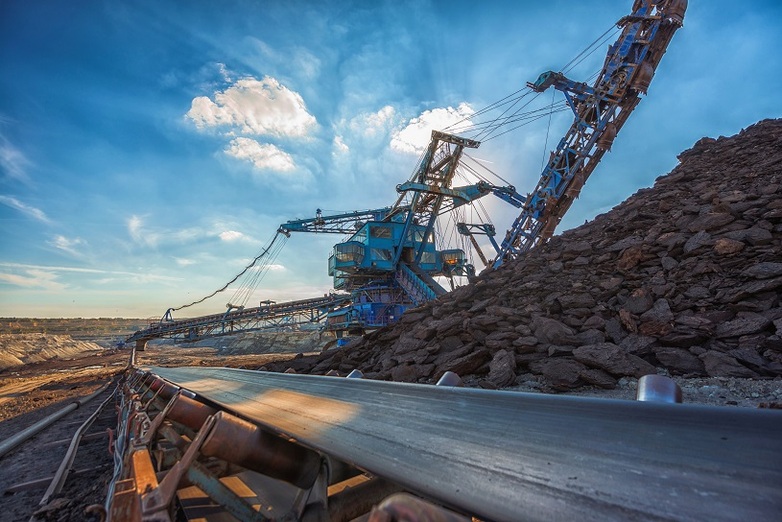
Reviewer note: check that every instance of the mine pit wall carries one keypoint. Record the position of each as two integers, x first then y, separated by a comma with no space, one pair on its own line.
26,348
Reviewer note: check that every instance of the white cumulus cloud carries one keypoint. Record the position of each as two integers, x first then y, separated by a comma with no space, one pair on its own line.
367,131
372,124
263,156
379,121
416,135
259,107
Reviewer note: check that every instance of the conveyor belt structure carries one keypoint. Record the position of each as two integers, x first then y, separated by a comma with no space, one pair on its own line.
497,455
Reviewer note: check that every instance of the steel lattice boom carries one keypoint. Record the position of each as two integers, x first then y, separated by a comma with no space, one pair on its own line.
393,255
269,315
600,112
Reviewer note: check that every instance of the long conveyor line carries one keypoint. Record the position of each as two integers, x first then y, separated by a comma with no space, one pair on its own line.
517,456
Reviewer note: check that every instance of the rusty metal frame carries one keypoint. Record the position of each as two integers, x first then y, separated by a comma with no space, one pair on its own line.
164,453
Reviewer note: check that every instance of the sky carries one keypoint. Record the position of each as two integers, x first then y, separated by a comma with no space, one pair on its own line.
149,150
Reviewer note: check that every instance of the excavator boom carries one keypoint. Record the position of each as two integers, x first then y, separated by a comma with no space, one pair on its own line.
600,111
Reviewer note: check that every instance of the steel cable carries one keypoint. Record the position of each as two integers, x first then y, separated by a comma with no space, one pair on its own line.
487,130
245,291
237,276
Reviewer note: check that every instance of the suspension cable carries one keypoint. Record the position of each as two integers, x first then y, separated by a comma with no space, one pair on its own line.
488,130
237,276
525,123
455,127
477,174
548,129
248,286
596,44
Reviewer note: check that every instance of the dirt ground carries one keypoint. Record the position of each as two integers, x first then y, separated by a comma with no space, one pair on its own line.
33,391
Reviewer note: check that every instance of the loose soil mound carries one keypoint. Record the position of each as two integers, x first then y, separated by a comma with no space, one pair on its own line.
682,278
20,349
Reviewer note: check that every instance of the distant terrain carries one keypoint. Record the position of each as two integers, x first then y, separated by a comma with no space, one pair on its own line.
76,328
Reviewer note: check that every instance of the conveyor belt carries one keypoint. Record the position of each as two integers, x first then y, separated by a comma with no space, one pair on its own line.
518,456
243,320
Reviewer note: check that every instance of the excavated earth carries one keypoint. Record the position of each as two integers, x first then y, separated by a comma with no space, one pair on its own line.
681,279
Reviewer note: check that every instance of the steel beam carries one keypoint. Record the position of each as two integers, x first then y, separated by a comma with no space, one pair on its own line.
517,456
241,320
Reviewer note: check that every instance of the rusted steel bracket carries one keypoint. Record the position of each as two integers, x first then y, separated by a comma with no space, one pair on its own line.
158,499
184,445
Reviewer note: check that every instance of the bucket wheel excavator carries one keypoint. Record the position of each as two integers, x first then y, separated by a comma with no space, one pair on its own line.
390,259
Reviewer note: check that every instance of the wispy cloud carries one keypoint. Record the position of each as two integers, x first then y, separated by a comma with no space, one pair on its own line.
68,245
264,268
295,61
43,276
25,209
231,235
366,131
143,235
34,278
224,72
13,162
56,268
306,63
152,238
339,146
134,229
416,135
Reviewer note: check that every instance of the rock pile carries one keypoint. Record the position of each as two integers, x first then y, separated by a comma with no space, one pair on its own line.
684,277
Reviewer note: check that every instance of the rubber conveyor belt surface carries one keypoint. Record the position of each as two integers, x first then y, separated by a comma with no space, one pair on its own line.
518,456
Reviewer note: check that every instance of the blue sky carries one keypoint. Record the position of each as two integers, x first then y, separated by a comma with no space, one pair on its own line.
149,150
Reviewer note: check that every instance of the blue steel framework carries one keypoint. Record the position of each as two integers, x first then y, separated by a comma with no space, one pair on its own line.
267,315
389,262
600,112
